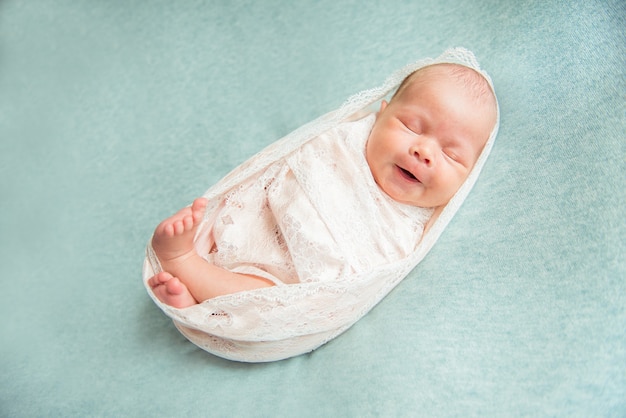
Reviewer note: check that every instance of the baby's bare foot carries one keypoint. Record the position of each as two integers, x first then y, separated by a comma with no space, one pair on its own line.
171,291
173,238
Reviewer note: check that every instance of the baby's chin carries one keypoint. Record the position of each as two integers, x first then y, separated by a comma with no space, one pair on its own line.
425,198
421,203
429,203
438,199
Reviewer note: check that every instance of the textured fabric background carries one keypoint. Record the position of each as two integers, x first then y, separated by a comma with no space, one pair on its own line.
114,114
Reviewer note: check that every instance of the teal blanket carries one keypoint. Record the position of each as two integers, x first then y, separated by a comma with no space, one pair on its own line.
115,114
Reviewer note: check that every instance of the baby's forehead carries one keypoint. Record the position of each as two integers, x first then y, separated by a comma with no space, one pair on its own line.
467,77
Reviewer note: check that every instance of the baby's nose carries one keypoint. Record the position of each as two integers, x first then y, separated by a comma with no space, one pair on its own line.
423,152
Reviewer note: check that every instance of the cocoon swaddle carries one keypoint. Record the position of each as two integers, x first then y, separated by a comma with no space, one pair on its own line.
306,214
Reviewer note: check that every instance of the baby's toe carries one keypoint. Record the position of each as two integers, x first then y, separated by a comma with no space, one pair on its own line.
159,279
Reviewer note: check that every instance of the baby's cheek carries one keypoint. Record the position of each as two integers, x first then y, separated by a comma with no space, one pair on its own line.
458,183
452,185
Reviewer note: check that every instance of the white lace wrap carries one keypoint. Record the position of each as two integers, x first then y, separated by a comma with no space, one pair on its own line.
286,320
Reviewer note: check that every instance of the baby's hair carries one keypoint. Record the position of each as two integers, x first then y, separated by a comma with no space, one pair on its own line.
473,81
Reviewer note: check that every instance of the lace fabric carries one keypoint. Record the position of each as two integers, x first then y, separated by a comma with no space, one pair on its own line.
296,317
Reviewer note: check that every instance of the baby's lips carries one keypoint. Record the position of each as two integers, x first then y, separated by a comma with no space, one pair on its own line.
410,175
415,172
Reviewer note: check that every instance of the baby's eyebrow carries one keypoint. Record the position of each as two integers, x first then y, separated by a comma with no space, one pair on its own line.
457,142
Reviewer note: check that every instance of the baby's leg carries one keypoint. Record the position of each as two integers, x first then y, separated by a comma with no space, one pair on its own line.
168,289
174,247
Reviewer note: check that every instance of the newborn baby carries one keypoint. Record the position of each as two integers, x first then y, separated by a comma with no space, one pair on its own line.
315,223
422,146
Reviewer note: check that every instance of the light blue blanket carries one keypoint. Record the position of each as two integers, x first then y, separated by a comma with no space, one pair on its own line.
115,114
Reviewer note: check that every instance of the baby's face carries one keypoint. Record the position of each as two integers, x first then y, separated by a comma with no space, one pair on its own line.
426,140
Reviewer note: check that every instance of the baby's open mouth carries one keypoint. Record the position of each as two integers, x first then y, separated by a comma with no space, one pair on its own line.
408,175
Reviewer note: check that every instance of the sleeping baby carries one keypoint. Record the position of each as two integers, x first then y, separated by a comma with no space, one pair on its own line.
355,199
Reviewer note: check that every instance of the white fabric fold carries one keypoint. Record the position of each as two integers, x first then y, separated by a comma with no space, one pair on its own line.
307,309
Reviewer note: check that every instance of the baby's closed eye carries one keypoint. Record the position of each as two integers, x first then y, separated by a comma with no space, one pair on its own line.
413,126
453,154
